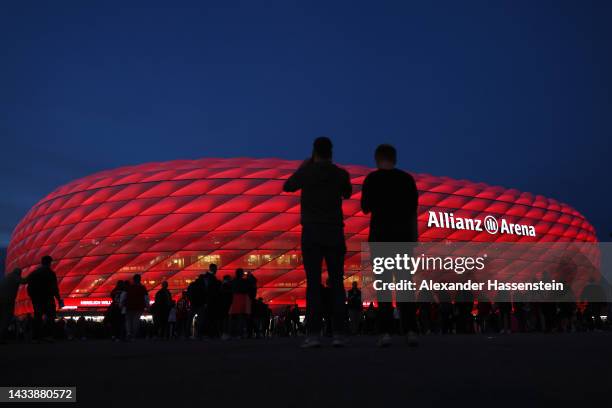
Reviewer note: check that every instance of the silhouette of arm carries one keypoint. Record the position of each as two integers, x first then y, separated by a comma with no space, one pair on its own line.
414,195
56,288
296,181
293,183
366,205
347,188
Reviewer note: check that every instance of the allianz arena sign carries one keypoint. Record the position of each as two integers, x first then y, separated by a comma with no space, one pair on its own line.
489,224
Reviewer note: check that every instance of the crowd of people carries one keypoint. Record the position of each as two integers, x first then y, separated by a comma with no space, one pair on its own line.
229,308
209,307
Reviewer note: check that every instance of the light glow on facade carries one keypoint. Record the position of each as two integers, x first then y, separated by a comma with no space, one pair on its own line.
168,221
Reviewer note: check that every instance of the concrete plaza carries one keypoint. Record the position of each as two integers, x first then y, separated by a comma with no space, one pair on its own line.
515,370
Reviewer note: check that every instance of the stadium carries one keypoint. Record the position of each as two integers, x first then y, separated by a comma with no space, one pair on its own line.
168,221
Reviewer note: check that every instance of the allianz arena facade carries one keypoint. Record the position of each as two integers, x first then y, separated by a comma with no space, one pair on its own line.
168,221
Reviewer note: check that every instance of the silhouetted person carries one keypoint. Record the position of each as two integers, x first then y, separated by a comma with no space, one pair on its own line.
267,317
547,308
212,323
446,313
171,330
60,328
595,299
464,304
163,302
70,328
135,299
567,309
355,307
225,302
370,319
485,308
81,328
295,319
259,313
182,316
503,302
427,306
43,291
252,285
390,195
285,319
323,185
240,309
252,281
8,293
116,312
196,291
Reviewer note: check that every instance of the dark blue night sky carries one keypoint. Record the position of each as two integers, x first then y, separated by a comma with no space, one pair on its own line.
517,94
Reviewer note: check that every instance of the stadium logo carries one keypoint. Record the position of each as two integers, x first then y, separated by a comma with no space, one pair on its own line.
490,224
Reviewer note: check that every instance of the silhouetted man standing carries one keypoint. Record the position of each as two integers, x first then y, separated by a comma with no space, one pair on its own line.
196,291
135,300
43,290
323,186
211,319
162,306
391,196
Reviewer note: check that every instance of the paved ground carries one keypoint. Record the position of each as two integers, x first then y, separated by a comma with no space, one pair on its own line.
516,370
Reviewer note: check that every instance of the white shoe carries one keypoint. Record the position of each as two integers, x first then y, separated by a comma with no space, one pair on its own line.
311,342
384,340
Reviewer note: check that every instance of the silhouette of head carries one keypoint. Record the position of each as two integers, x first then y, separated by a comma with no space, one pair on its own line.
212,268
136,278
385,156
354,284
239,273
46,260
322,149
165,285
17,272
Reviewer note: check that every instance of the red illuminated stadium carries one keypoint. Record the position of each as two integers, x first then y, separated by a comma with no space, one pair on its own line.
169,221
